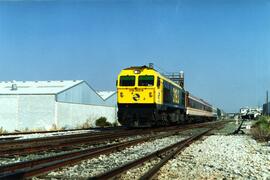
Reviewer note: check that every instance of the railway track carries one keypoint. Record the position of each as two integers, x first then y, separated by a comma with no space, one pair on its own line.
12,147
65,130
24,147
167,153
40,134
44,165
33,168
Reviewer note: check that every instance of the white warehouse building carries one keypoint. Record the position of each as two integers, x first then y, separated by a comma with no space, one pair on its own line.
47,105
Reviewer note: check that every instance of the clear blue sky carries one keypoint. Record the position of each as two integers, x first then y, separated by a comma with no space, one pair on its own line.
223,46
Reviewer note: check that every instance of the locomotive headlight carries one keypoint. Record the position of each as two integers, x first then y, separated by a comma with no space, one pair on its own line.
121,94
137,71
150,94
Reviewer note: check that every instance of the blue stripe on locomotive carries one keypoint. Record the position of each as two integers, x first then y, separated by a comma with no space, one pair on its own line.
173,96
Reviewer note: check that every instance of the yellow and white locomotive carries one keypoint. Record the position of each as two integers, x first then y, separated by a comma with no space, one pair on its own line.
147,98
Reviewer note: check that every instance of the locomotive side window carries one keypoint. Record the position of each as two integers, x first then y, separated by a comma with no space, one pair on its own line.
158,82
183,98
127,81
146,80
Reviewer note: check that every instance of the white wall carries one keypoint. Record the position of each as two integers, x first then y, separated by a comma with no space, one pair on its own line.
74,115
36,111
21,112
41,112
8,112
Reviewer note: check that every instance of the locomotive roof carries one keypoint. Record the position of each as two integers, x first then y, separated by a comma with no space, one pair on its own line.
149,68
167,79
139,67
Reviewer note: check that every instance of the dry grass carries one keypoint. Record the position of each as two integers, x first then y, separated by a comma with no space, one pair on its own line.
87,124
3,131
54,127
261,129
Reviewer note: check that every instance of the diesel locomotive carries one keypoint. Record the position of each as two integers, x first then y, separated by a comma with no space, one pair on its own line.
147,98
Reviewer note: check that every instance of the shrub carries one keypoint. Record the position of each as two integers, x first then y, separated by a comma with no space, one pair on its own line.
102,122
261,129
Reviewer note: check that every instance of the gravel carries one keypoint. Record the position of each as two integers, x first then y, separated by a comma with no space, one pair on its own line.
104,163
4,161
220,156
135,173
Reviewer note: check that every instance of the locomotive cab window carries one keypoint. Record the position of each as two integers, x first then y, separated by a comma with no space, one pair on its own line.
146,80
127,81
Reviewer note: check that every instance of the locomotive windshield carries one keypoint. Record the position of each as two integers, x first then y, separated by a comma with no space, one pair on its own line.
127,80
146,80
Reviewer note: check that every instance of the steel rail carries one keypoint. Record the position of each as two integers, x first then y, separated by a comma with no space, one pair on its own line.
14,143
50,139
43,165
44,139
153,171
56,145
65,130
40,166
179,146
159,165
20,149
23,147
119,170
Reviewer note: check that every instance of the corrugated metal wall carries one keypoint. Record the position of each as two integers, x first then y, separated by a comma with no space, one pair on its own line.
70,108
84,94
265,112
75,115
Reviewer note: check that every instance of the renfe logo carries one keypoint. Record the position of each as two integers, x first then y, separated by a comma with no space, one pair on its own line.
136,97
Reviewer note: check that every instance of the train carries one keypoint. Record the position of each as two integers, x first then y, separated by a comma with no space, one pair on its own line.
146,98
250,113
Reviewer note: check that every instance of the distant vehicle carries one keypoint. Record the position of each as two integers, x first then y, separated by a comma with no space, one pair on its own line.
147,98
250,113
